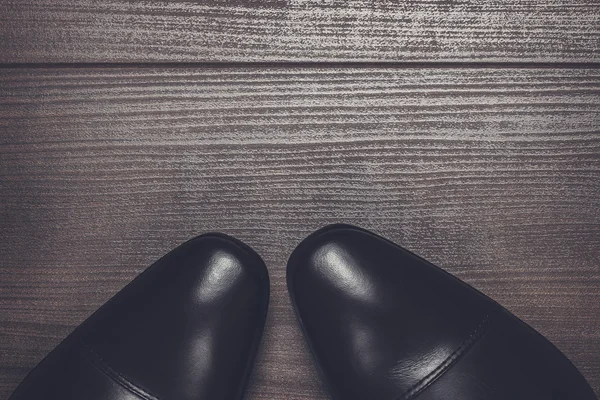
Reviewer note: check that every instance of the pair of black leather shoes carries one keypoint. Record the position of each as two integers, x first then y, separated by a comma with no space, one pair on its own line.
382,324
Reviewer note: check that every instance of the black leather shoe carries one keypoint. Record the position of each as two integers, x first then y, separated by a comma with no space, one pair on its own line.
384,324
188,328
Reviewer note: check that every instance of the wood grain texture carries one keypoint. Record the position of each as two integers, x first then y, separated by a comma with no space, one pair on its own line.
299,30
492,174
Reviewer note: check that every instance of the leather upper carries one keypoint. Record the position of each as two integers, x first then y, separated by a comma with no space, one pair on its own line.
188,328
384,324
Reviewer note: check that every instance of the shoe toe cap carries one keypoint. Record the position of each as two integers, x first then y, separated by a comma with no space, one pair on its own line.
383,323
377,318
190,324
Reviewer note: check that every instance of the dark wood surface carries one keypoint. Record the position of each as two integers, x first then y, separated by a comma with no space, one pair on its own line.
493,174
488,164
299,30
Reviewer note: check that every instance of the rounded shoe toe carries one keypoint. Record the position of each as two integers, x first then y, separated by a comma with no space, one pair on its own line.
385,324
377,318
189,325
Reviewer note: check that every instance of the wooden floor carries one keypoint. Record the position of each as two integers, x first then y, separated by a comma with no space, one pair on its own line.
467,131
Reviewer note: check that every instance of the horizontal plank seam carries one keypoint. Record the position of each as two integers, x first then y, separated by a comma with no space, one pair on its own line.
309,65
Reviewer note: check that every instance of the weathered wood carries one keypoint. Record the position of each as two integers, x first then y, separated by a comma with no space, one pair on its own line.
299,30
493,174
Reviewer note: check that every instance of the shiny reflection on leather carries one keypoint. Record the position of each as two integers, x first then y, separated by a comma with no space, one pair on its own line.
202,347
384,324
222,272
363,343
421,364
188,328
339,269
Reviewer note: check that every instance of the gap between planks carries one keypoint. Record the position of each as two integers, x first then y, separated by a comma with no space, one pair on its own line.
309,65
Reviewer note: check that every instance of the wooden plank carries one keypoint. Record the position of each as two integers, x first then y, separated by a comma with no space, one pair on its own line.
299,30
493,174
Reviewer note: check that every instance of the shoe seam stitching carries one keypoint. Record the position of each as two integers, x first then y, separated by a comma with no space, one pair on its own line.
116,376
465,346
